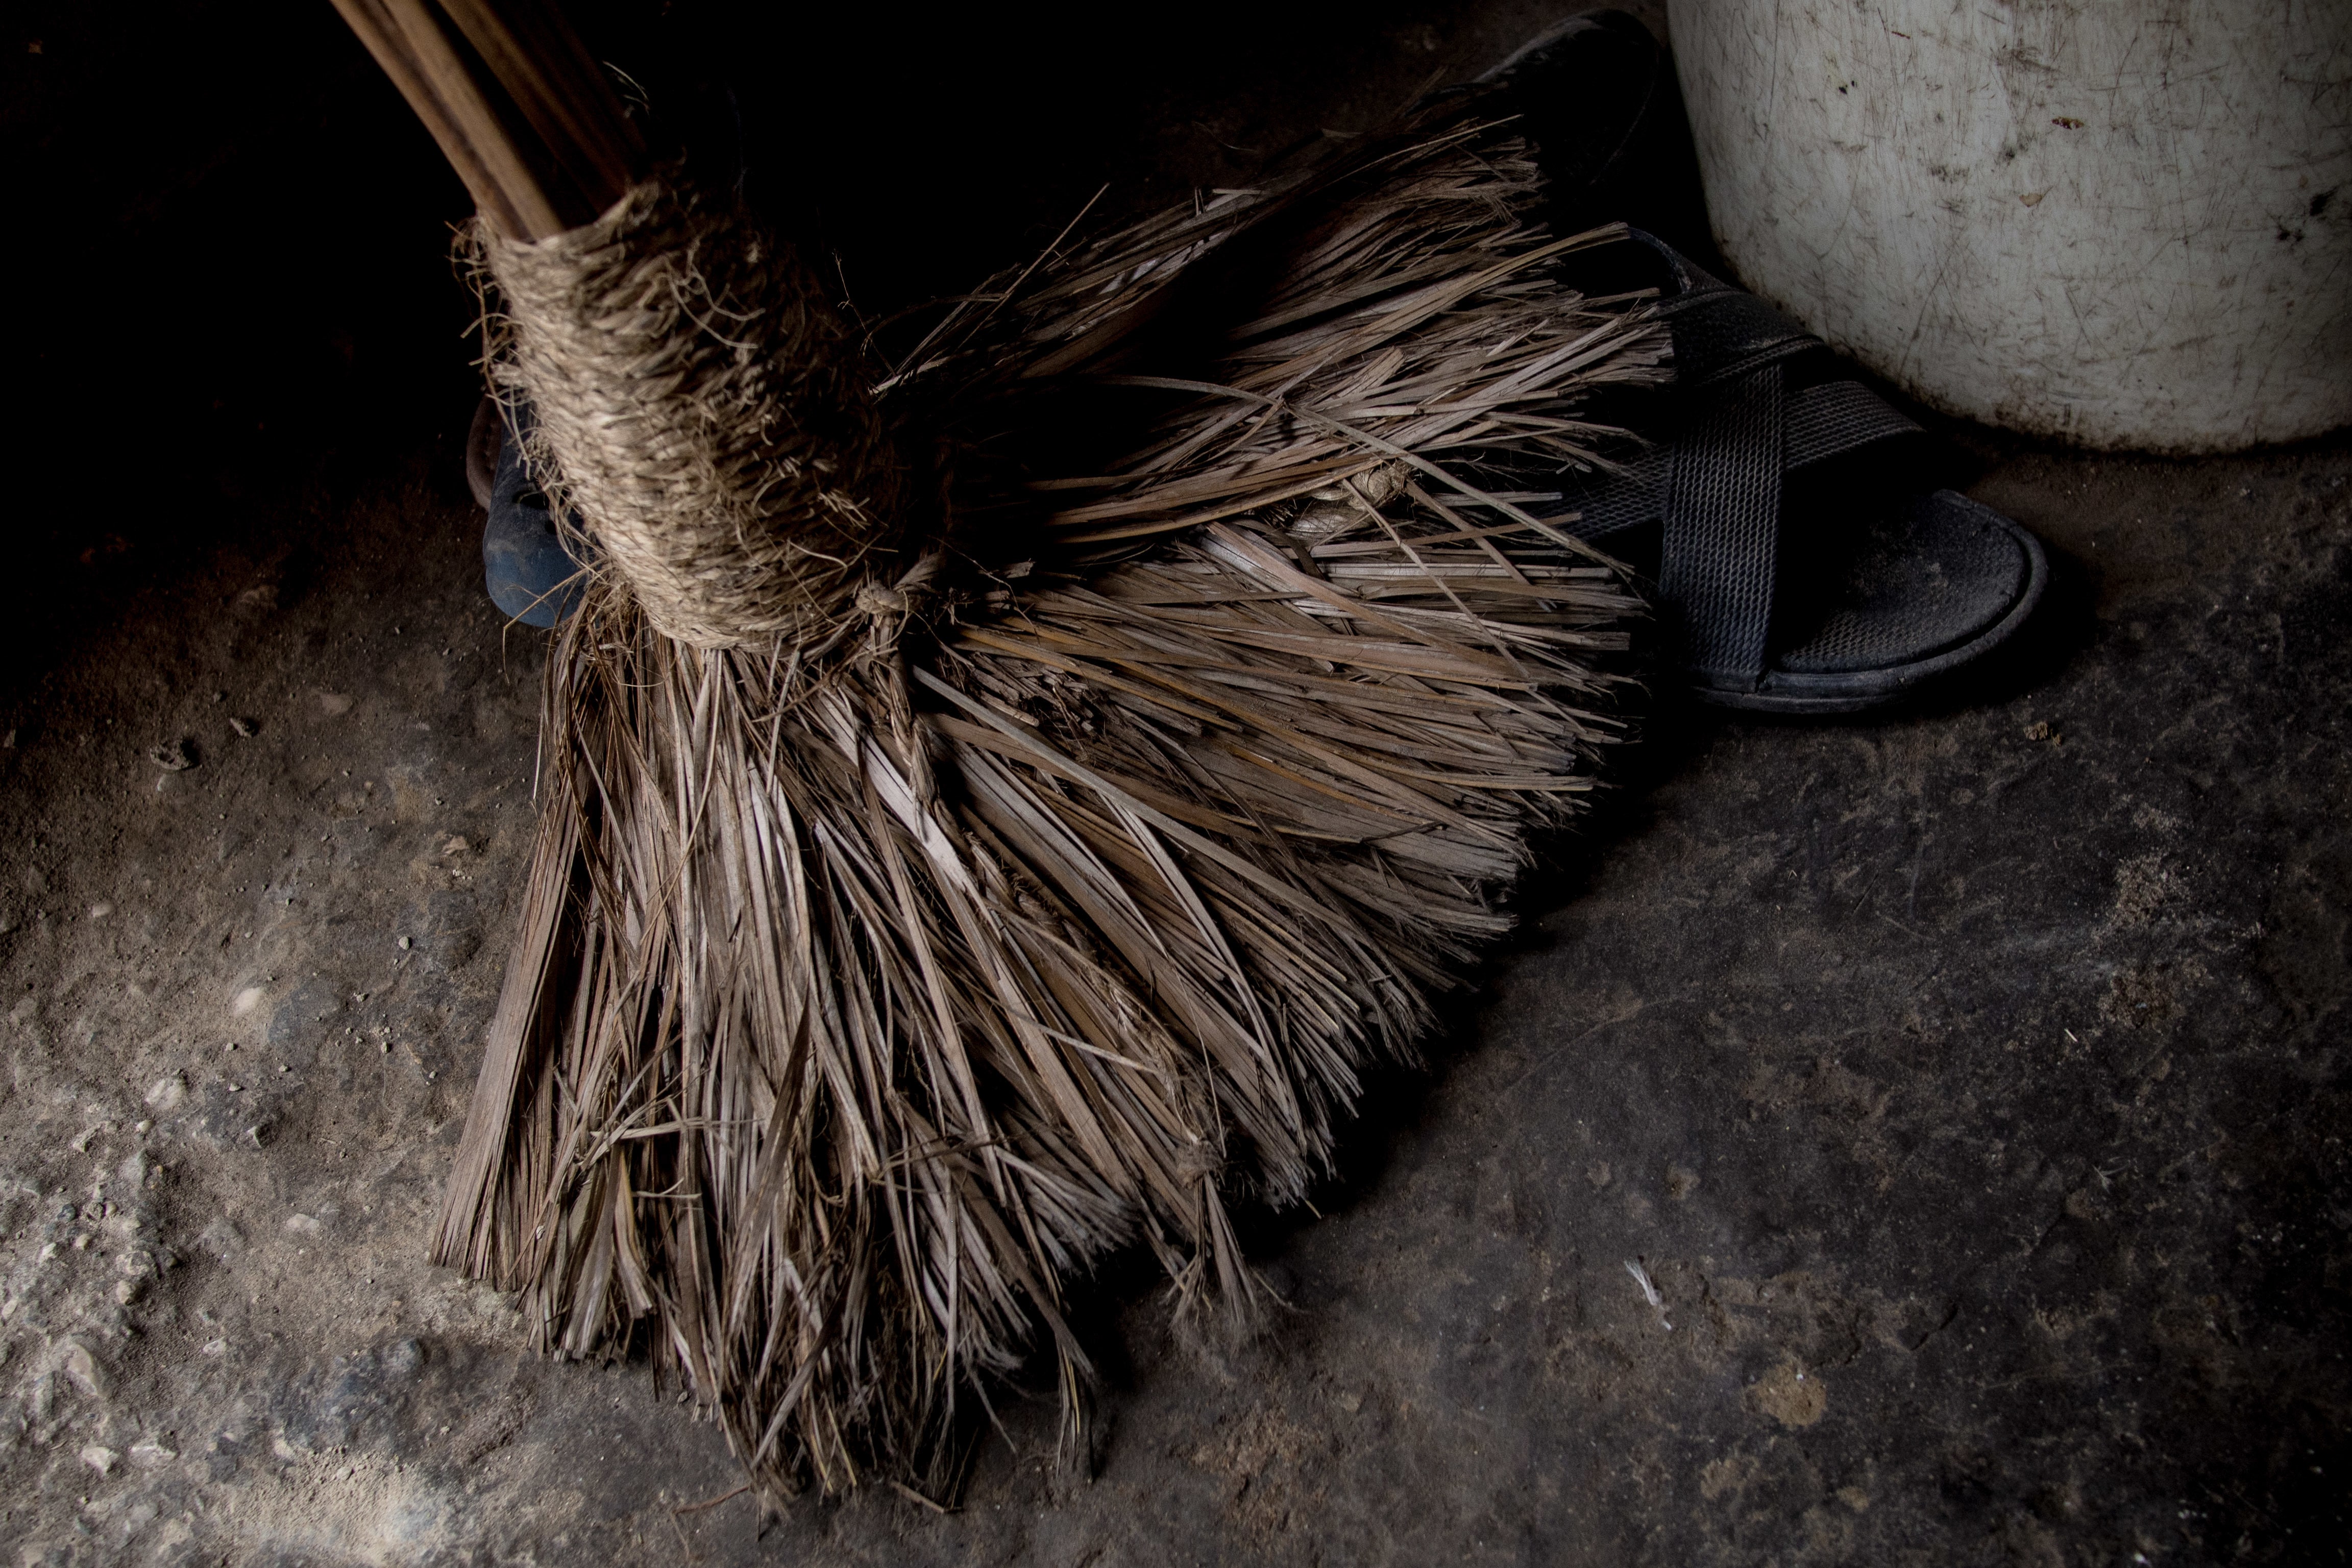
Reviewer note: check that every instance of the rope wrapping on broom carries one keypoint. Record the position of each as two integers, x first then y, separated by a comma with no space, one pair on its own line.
697,402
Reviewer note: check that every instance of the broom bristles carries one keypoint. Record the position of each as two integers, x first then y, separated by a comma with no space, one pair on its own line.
870,992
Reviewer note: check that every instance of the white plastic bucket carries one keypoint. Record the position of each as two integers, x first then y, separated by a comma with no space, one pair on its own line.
2127,223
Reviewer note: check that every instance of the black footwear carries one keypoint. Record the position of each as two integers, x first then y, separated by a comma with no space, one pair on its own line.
532,577
1794,564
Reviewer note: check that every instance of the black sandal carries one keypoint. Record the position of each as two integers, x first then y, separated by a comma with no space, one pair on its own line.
530,576
1784,578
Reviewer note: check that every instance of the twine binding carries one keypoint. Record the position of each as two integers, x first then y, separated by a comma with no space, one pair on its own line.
698,405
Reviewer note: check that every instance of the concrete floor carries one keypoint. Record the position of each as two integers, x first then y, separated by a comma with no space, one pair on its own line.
1971,1084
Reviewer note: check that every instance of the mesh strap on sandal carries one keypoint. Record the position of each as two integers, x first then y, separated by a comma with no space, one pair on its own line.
1894,588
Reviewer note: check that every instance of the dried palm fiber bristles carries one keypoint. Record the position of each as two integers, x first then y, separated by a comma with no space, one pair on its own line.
880,972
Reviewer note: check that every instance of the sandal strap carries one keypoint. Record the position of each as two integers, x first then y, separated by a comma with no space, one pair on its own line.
1825,421
1721,334
1835,418
1720,556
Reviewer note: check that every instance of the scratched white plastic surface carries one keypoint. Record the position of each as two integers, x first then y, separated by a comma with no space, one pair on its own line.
2124,222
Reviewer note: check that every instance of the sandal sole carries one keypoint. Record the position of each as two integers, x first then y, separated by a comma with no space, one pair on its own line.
1856,691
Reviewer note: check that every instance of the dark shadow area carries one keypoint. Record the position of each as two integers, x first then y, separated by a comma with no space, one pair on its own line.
236,245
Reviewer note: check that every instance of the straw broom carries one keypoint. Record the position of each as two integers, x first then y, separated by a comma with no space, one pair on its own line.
996,803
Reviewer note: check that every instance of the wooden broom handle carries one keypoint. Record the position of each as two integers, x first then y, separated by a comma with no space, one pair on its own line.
520,107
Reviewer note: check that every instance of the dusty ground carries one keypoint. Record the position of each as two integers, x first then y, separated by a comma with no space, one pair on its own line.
1971,1084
